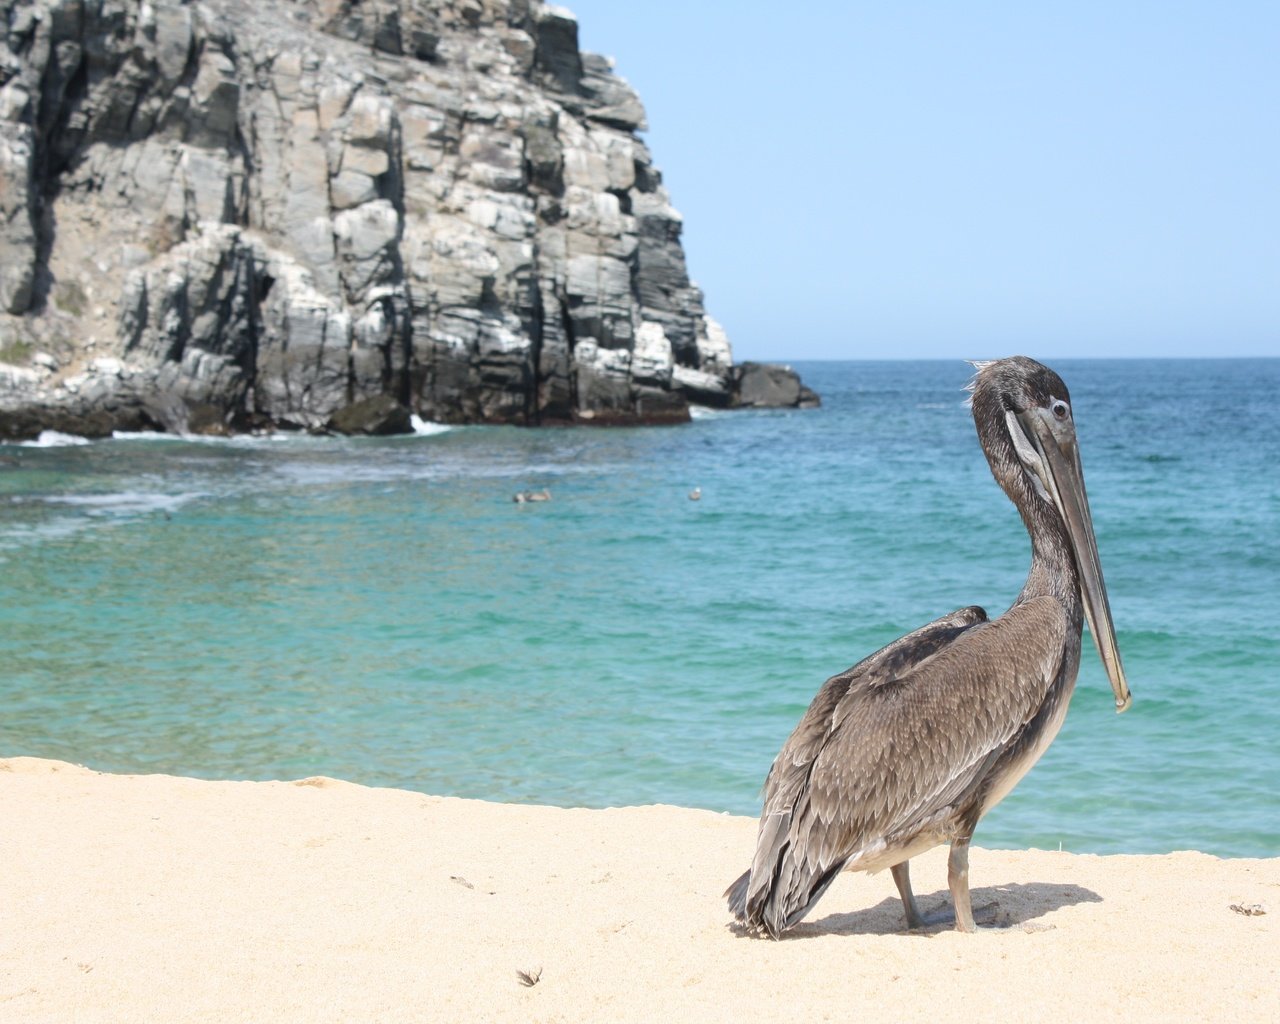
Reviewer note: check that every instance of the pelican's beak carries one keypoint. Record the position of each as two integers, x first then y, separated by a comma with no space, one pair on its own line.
1055,443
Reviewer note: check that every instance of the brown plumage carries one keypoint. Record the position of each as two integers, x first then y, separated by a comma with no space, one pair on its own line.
911,746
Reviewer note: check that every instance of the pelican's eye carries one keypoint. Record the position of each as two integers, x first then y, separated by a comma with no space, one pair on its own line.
1060,409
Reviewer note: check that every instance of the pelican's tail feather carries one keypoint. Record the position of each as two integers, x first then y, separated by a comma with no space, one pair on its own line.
779,907
736,894
779,889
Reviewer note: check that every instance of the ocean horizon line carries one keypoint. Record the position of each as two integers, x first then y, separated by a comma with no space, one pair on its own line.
1047,358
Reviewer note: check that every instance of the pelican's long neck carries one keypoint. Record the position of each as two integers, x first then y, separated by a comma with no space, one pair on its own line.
1053,569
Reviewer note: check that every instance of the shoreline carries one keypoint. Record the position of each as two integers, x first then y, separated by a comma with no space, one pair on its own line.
155,897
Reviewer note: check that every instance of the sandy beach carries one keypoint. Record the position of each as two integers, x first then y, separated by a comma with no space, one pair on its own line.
153,898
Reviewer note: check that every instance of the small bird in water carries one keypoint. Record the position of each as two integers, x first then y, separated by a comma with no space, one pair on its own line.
695,494
909,748
522,496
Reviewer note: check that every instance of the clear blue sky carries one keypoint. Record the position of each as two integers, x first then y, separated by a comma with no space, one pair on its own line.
946,180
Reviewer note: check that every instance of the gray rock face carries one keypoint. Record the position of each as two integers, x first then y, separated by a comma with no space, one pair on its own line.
265,213
770,385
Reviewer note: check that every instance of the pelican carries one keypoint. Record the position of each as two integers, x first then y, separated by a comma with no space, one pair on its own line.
913,745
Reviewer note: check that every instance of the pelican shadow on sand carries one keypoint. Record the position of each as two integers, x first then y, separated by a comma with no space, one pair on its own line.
1015,905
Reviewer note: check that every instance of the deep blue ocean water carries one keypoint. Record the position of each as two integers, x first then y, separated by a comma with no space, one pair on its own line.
381,611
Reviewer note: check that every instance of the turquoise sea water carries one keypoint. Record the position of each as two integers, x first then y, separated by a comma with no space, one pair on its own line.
380,610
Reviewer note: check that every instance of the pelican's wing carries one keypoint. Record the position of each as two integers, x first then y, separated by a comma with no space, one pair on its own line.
788,780
890,746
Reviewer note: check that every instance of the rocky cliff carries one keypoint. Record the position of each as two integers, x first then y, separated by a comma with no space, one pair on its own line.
227,214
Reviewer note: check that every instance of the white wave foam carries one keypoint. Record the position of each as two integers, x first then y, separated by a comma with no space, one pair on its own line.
147,435
265,438
87,512
421,427
235,440
705,412
55,439
55,529
124,502
425,428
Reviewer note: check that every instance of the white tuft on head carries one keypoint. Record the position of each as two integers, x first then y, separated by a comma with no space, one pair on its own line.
978,365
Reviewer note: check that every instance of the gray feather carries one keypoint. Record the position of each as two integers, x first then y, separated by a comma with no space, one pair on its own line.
894,748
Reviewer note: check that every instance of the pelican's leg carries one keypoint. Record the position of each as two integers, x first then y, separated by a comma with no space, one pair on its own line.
958,880
902,878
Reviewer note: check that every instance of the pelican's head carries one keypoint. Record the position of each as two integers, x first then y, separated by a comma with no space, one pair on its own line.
1023,413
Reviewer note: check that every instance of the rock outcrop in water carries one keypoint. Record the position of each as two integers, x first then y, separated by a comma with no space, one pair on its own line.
221,215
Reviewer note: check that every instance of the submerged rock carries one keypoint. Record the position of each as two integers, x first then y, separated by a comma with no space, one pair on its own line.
378,415
770,385
267,213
